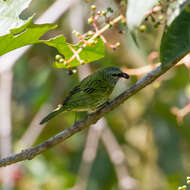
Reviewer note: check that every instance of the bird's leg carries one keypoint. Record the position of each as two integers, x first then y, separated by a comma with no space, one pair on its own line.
107,102
75,117
104,104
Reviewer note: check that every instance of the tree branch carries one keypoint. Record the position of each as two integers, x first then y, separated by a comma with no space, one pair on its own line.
90,119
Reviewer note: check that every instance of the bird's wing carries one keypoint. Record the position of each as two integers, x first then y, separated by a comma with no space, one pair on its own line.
76,89
82,93
82,97
95,86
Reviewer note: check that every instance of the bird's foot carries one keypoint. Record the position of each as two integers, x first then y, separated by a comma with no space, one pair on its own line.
104,104
75,118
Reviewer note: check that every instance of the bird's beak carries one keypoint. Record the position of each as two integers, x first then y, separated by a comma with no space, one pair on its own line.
124,75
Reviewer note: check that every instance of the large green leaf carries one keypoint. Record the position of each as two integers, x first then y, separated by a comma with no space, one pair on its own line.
27,34
175,8
9,14
88,53
176,38
17,33
30,34
136,11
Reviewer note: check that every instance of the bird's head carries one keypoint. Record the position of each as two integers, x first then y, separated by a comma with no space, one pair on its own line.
113,74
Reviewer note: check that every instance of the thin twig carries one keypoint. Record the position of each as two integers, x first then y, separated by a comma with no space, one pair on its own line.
89,154
148,68
141,70
90,119
34,129
181,113
117,157
97,34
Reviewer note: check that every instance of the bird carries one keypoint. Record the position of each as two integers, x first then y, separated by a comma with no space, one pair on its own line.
91,93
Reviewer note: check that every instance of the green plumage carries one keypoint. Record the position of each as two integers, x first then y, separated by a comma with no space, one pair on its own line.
92,92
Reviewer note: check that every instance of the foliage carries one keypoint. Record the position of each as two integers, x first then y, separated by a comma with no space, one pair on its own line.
23,33
9,15
88,54
176,39
154,143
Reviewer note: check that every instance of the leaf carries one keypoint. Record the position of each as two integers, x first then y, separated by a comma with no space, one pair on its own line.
27,34
9,14
87,54
175,9
175,41
136,11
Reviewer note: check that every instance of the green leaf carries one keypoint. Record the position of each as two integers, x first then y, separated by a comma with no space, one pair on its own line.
87,54
175,8
9,14
24,32
27,34
175,41
136,11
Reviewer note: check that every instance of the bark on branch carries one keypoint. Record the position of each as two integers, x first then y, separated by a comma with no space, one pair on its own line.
30,153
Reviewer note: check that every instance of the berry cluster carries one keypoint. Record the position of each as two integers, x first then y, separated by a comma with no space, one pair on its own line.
185,187
90,38
156,16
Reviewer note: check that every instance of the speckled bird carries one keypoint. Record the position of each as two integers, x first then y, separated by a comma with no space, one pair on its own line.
91,93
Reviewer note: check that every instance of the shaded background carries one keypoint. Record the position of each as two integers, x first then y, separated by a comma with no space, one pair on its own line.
139,145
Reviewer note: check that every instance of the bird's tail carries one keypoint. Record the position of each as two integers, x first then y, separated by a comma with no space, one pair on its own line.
52,114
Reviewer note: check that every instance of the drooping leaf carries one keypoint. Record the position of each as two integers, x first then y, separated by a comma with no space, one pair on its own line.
175,41
19,33
9,14
27,34
87,54
136,11
175,8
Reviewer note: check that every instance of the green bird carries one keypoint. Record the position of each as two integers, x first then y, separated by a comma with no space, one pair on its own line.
91,93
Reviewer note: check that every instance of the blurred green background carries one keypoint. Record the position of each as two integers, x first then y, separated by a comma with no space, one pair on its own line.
154,145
